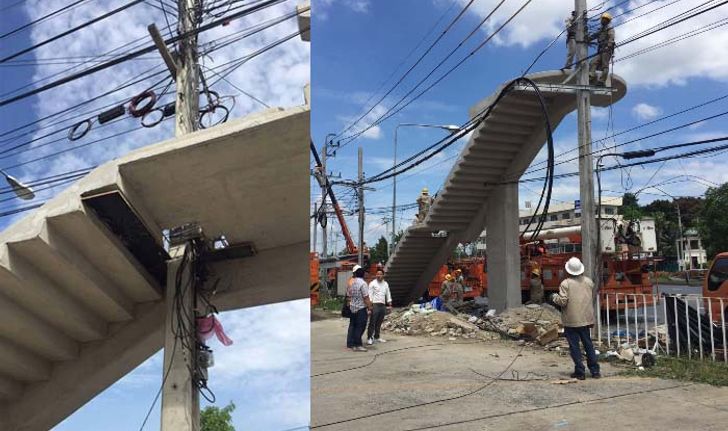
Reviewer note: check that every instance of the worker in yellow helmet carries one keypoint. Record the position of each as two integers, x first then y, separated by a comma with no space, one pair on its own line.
423,203
536,287
447,292
605,50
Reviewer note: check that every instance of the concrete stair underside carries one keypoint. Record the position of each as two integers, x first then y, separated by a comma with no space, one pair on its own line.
78,309
500,149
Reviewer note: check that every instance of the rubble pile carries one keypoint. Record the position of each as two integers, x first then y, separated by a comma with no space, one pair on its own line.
414,321
532,323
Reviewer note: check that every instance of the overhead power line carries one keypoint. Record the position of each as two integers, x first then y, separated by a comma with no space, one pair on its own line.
43,18
419,60
211,47
137,53
72,30
397,108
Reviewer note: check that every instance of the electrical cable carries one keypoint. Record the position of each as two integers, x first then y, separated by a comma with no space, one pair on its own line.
419,60
212,49
136,53
43,18
392,111
554,406
72,30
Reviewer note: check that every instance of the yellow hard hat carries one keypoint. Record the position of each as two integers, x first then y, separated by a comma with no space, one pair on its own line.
536,271
607,16
448,277
425,191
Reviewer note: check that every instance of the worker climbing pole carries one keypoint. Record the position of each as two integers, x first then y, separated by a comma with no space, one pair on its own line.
605,50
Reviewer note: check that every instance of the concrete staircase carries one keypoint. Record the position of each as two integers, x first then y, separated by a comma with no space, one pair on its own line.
82,278
500,149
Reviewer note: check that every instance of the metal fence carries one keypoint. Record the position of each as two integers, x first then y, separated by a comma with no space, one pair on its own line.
691,326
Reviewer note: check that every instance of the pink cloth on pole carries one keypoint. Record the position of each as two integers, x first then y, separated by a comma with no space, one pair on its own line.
207,325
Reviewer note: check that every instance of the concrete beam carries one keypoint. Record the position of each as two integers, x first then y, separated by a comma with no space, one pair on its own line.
503,252
9,388
98,290
98,366
274,275
45,298
30,332
21,363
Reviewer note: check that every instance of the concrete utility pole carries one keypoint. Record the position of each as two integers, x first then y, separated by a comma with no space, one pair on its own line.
324,172
680,254
361,207
180,398
315,225
586,165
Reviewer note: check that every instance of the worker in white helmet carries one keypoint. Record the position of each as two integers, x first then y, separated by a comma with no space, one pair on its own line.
605,50
577,315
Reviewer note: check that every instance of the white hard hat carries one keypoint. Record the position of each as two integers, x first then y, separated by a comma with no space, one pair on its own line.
574,266
356,268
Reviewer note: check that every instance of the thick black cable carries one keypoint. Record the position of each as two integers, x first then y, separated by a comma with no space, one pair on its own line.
138,53
72,30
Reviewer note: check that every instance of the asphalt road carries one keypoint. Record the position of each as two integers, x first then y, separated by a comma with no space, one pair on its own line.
417,383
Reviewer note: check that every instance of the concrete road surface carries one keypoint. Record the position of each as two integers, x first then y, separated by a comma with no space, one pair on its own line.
418,383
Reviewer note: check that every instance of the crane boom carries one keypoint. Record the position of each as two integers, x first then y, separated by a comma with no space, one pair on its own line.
350,246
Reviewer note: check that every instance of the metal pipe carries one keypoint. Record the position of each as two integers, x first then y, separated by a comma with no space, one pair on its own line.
698,300
712,337
687,323
722,321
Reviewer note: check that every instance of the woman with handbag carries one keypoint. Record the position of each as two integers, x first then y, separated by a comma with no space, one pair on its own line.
357,306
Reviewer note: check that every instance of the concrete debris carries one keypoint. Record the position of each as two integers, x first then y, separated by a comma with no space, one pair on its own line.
563,381
637,356
532,325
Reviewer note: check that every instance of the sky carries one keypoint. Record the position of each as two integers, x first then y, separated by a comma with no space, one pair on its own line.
361,49
265,372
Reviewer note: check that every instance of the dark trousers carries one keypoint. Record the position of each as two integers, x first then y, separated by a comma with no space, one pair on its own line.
375,321
357,325
574,335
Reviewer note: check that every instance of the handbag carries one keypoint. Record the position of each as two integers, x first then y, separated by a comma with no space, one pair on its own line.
345,310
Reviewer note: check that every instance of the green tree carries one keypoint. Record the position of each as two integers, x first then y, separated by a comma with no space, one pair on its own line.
217,419
713,222
630,208
380,252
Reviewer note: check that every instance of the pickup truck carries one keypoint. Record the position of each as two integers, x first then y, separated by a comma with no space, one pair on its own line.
715,285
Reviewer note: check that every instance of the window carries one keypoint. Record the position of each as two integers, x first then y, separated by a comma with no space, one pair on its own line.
553,217
577,215
718,274
609,211
566,216
694,244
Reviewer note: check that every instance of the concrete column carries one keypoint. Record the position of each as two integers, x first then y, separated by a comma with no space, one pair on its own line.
503,252
180,399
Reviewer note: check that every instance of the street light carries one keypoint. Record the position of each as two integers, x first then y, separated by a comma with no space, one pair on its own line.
449,127
21,190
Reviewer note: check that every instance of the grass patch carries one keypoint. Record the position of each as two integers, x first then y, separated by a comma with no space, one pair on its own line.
331,304
683,369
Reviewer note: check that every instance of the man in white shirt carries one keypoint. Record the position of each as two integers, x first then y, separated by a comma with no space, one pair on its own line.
382,301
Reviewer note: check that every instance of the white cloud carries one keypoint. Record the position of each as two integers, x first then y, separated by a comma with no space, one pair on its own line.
322,8
705,55
646,112
364,125
539,20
